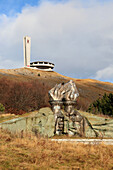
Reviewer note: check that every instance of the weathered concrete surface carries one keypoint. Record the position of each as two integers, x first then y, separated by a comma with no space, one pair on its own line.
68,127
104,126
42,122
86,141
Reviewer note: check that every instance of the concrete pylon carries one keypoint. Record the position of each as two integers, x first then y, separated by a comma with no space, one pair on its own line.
27,49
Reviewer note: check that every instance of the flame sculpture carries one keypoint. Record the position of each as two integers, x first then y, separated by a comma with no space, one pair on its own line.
66,95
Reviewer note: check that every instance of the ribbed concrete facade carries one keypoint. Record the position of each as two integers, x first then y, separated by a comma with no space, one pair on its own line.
42,65
27,47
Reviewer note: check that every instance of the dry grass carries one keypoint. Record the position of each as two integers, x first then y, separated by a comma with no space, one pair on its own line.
89,90
5,117
33,152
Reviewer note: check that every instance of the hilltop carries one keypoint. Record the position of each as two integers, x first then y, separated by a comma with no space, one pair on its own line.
89,89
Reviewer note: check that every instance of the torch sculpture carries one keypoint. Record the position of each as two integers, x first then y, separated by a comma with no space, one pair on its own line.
56,96
66,95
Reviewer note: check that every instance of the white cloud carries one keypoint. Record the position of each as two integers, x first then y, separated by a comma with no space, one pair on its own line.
77,38
105,74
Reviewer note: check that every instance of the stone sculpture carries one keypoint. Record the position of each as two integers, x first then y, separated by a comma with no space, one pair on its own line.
66,95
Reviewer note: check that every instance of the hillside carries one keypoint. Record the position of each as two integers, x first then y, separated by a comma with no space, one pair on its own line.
89,89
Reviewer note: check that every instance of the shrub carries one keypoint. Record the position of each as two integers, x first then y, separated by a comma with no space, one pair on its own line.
39,74
21,97
2,108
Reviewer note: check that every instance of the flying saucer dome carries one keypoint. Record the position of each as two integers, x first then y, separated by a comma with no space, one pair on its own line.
42,65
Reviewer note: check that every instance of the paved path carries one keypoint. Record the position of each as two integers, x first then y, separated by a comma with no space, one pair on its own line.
86,141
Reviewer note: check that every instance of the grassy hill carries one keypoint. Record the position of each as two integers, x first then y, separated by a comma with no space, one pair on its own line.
34,152
89,89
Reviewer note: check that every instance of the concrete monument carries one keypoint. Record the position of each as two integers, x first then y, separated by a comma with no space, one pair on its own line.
66,95
27,47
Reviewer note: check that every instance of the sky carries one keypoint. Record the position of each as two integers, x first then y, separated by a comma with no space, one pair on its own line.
76,35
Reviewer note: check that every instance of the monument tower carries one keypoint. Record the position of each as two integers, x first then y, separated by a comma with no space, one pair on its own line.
27,48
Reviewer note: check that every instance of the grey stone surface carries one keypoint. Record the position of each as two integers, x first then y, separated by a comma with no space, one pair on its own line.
86,141
102,125
42,123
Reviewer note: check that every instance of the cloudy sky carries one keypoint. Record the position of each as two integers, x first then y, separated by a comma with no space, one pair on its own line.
76,35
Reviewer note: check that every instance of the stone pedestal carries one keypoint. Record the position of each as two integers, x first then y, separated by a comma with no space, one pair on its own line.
76,120
69,107
59,117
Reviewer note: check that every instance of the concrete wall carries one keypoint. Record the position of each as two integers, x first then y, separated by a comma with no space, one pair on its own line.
42,123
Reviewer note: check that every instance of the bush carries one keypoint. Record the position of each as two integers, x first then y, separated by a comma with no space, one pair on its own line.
2,108
21,97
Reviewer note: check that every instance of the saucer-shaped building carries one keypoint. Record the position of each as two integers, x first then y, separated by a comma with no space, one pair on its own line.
42,65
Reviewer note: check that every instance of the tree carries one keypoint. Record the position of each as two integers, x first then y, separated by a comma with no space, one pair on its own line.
103,105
